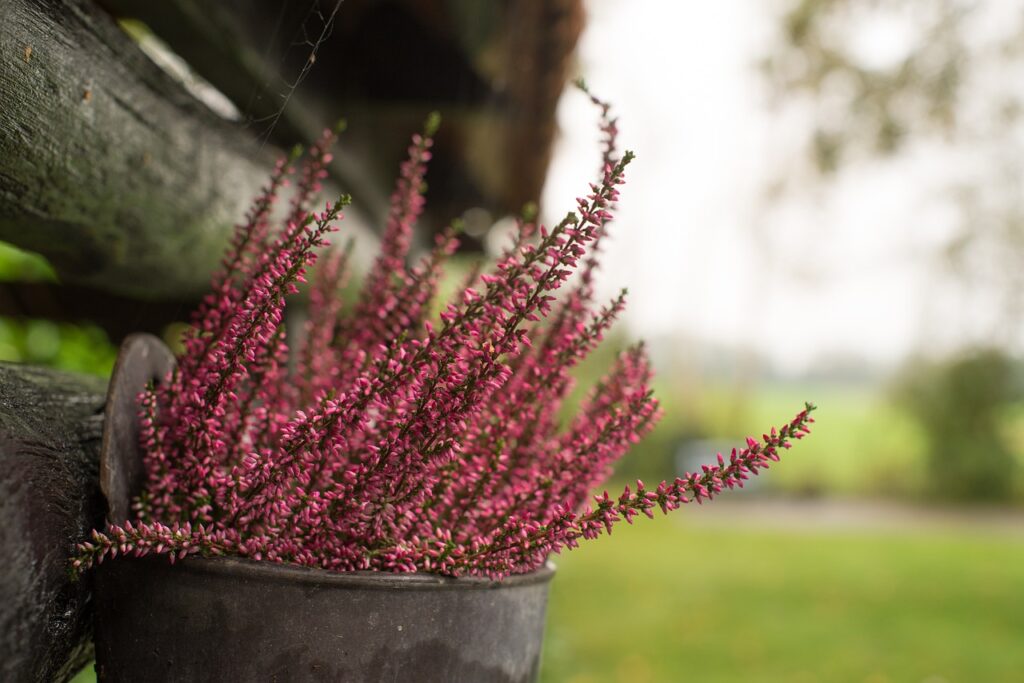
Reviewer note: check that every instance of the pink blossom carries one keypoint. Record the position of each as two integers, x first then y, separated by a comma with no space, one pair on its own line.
399,440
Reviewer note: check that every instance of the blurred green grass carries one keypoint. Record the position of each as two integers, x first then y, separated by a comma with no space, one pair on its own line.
672,601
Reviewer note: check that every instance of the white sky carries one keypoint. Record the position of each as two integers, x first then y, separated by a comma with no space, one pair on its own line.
843,272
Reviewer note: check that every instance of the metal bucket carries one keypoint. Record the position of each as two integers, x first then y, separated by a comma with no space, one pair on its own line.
230,619
226,619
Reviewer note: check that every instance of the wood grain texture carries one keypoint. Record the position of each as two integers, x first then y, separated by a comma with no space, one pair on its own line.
50,432
495,71
107,166
235,45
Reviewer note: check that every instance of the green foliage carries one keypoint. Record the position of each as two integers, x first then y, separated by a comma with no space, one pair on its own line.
86,675
80,348
23,266
960,404
862,105
897,80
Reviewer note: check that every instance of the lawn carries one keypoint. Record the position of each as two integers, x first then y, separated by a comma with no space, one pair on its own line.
675,601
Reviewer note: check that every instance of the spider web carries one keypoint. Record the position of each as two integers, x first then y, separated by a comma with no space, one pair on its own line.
313,31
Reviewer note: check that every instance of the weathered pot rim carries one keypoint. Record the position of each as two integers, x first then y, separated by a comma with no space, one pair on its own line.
275,572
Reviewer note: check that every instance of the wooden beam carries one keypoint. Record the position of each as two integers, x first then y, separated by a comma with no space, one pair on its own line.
231,44
50,430
108,167
494,70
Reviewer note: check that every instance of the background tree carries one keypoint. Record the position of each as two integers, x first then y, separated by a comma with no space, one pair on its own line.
893,82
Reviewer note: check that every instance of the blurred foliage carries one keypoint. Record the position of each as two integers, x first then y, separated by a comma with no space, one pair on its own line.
23,266
862,445
864,100
874,80
962,404
80,348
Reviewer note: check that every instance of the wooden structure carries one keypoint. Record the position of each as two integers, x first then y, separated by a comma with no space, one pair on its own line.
128,185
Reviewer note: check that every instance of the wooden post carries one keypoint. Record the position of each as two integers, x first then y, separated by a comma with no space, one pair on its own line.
108,167
50,431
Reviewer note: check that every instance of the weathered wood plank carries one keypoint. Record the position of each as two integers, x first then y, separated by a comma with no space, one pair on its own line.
107,166
50,432
233,44
494,71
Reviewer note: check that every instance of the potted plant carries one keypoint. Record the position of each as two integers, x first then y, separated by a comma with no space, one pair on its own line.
381,495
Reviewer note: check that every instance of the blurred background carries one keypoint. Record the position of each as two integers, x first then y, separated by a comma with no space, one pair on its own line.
826,206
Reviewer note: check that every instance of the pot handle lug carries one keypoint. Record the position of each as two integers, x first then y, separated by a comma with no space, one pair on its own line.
143,358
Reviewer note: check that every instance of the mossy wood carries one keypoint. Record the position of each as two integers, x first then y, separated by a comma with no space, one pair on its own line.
494,70
108,167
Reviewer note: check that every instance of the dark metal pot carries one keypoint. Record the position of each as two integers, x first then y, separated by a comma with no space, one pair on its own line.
225,619
230,619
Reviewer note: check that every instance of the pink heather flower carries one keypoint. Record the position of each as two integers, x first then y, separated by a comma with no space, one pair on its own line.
398,440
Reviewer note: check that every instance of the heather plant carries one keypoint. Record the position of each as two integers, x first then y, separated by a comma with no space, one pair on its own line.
400,440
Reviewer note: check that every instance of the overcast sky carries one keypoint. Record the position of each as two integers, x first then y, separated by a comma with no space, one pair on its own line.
845,271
